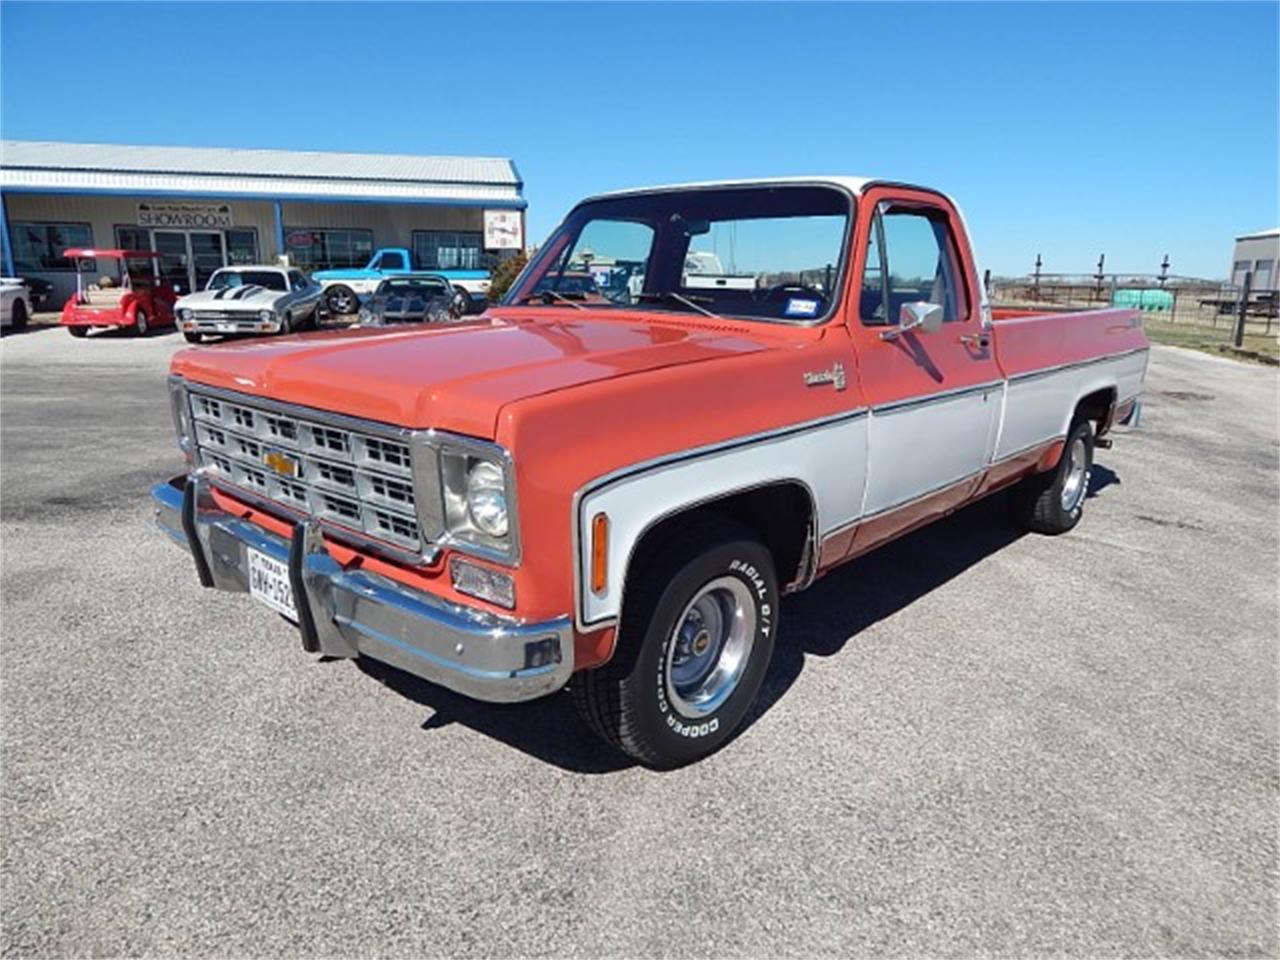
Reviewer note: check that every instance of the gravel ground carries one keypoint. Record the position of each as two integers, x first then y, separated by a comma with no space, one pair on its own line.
974,742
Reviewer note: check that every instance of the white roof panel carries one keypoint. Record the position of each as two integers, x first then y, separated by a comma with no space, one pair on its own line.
34,165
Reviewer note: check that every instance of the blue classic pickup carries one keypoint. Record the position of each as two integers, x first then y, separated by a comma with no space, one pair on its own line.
345,289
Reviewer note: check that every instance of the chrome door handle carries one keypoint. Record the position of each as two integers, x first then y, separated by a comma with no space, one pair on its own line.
976,339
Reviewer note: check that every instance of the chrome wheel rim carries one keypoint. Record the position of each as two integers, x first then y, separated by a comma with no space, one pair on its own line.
340,302
1077,481
710,647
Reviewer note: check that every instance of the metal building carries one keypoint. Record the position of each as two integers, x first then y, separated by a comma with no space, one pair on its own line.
206,208
1259,252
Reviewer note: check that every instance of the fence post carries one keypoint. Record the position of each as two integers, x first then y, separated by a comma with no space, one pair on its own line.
1244,308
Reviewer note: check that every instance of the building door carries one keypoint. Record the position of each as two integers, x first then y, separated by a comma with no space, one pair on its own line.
207,255
189,258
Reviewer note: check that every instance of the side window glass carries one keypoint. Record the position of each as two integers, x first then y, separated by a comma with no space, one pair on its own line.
871,300
392,261
922,263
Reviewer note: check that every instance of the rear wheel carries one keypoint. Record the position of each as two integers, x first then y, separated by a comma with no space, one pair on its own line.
341,300
140,326
19,314
77,332
1053,502
695,641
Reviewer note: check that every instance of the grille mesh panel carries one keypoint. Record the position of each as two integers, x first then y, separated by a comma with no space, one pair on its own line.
349,477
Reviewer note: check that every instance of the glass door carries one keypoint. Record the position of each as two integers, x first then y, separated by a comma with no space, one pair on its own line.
189,258
175,262
206,256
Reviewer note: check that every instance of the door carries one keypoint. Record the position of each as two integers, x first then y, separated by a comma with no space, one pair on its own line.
175,264
189,258
207,256
935,397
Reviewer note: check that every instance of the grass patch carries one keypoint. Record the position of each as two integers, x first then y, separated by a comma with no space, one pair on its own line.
1211,339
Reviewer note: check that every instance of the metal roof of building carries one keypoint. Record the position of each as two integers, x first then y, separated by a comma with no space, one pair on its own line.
221,171
1260,234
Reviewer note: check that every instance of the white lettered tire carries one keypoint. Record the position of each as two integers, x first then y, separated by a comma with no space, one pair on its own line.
696,637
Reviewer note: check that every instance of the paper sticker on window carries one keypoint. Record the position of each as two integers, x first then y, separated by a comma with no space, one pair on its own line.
801,308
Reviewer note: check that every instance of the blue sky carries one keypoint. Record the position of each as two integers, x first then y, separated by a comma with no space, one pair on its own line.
1062,129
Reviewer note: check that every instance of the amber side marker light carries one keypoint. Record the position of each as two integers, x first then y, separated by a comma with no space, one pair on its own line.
599,552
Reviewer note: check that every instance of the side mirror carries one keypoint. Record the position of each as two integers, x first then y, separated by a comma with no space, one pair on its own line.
926,316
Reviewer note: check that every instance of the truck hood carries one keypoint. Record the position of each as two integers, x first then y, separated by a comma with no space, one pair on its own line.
249,298
456,376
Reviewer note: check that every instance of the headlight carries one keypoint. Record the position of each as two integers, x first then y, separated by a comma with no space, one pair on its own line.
487,498
266,316
479,505
184,314
181,413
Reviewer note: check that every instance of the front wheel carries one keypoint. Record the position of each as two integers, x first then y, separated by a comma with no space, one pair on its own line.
693,647
78,332
1053,502
19,315
286,323
341,300
191,336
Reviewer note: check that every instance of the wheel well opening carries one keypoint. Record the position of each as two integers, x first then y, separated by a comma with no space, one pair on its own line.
1098,406
779,515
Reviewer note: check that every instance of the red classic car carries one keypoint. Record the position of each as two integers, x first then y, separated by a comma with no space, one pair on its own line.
128,296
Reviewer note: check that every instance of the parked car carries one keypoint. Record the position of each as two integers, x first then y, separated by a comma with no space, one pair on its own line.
616,495
116,288
250,299
15,303
345,289
414,299
39,292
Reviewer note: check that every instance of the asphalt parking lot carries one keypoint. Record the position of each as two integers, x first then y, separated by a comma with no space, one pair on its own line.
974,742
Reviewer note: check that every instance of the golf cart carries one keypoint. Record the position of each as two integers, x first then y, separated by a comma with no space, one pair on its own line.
126,294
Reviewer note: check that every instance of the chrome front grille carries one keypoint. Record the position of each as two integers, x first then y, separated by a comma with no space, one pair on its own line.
342,474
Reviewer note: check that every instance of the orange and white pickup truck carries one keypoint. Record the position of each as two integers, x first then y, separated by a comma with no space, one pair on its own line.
611,485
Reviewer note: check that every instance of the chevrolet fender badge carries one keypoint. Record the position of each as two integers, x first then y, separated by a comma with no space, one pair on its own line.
834,376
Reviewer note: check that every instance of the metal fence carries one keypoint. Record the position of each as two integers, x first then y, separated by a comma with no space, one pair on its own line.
1180,300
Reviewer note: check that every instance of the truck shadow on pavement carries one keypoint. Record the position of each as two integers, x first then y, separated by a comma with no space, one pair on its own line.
818,622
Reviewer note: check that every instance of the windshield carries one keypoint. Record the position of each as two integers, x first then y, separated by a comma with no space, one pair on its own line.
765,252
226,279
404,288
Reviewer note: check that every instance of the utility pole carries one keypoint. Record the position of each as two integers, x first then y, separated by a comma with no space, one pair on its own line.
1243,308
1164,270
1099,276
1037,286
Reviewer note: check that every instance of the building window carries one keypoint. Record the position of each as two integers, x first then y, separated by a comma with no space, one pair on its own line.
1238,271
39,246
326,249
133,238
242,247
447,250
1262,274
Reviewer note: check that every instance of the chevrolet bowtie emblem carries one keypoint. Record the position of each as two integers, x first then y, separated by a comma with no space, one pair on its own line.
834,376
281,463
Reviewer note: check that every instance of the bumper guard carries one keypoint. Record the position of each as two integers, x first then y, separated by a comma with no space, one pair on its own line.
350,613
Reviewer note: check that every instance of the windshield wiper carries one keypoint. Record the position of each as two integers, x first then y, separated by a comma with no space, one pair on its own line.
544,294
665,296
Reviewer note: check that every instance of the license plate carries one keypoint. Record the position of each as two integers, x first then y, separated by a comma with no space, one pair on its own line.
225,327
269,582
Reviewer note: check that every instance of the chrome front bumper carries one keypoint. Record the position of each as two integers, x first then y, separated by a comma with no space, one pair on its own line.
349,613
